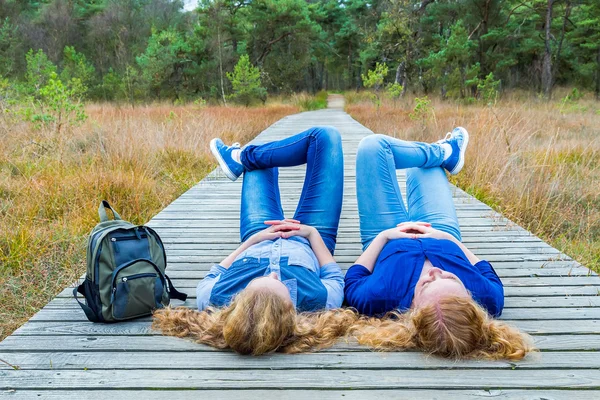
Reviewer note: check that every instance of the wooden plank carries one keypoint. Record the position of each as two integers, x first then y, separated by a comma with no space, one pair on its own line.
565,266
509,302
198,271
274,379
492,258
508,282
511,291
226,360
197,244
166,343
487,252
344,231
75,314
142,327
508,291
343,241
308,394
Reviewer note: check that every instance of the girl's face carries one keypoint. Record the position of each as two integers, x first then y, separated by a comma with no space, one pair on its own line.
435,284
271,283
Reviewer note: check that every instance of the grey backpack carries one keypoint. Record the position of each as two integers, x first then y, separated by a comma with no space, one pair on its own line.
125,276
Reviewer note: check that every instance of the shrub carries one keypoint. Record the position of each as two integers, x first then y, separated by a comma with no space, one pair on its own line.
488,89
394,90
422,109
59,105
374,79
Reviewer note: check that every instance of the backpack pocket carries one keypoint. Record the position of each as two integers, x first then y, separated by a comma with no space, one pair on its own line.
138,287
129,245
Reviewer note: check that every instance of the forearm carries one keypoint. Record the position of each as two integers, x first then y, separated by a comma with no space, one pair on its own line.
226,263
369,256
318,247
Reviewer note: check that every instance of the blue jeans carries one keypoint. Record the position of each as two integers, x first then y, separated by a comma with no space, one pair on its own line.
380,204
320,204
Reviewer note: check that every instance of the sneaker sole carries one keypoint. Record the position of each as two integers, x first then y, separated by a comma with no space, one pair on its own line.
222,163
461,156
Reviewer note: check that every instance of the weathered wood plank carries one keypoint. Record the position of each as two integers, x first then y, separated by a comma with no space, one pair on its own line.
164,343
75,314
201,270
565,266
487,252
492,258
142,327
509,302
308,394
317,361
273,379
508,282
511,291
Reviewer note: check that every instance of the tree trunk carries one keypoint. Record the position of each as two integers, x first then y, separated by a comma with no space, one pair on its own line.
484,30
325,82
562,38
399,80
221,62
349,84
547,61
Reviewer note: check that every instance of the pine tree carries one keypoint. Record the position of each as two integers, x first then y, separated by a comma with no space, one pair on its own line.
245,80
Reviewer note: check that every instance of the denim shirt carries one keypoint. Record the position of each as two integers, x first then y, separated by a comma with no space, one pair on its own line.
311,287
392,283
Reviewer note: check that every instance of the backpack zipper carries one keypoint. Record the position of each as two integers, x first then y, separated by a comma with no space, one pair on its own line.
137,236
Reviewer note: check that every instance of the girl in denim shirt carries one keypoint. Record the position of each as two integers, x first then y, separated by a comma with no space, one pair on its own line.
250,301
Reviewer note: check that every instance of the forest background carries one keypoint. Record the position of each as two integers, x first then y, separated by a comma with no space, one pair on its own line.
117,99
139,50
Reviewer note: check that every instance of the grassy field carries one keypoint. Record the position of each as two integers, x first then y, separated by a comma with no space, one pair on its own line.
139,159
537,163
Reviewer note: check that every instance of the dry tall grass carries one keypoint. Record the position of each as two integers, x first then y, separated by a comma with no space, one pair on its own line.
538,163
140,159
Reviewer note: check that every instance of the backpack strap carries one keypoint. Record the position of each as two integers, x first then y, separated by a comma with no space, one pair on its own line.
88,311
102,211
174,293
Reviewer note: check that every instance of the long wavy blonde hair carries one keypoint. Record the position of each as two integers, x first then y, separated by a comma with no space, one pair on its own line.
454,327
256,322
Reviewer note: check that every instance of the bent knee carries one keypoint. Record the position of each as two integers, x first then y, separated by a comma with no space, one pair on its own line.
372,143
328,133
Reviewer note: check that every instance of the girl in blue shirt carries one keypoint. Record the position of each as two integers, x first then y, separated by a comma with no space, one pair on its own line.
249,301
438,292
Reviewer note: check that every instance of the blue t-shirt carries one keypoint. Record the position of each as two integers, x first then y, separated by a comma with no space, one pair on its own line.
392,283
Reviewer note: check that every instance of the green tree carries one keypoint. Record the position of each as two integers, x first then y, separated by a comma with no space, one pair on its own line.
280,36
451,66
586,45
59,105
163,63
9,48
75,65
246,83
487,89
39,71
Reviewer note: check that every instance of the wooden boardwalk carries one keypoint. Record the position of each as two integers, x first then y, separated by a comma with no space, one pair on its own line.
62,356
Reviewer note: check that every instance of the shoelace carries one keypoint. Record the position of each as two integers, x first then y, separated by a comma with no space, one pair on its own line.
236,144
448,136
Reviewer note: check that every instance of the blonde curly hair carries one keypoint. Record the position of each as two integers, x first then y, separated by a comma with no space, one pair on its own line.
256,322
453,327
